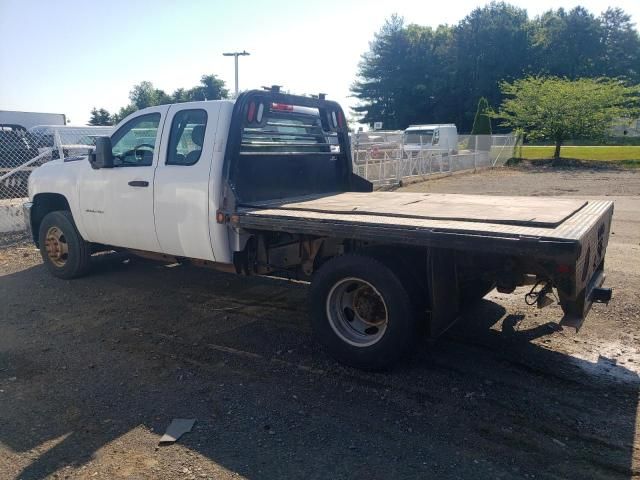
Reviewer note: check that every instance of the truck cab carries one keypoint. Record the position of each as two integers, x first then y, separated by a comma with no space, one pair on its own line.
162,183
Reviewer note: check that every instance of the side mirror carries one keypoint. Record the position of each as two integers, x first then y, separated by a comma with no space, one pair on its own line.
101,157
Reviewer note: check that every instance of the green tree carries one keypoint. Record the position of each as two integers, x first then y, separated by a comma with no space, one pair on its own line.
418,74
560,109
210,88
482,126
567,44
123,113
402,78
482,120
620,45
490,44
145,94
380,74
100,117
180,95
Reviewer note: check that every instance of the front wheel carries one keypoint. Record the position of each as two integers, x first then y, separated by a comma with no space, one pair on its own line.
64,252
362,313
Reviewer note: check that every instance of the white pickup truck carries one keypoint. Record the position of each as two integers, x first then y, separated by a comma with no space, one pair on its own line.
264,186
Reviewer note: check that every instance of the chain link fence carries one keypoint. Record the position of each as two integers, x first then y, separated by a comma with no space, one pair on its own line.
21,151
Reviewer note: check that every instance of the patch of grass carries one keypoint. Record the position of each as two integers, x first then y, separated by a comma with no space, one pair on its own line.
628,163
622,155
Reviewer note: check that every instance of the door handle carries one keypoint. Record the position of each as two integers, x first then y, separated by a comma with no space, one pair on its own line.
138,183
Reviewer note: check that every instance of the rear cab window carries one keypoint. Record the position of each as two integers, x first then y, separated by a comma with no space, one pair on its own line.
186,137
285,129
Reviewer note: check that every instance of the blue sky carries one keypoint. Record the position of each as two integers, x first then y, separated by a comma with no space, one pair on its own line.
67,56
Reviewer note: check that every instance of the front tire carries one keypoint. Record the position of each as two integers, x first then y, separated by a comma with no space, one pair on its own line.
362,313
64,252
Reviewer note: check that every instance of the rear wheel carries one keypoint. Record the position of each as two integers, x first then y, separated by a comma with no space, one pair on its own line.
362,313
64,252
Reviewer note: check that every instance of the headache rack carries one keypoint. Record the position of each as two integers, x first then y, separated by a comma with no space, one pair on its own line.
286,129
283,145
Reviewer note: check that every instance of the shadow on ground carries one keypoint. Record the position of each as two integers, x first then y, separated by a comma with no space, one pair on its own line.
92,370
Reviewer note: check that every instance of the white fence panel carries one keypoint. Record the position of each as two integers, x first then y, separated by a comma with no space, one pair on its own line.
386,162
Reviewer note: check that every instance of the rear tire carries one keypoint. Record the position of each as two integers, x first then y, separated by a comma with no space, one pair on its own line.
64,252
362,313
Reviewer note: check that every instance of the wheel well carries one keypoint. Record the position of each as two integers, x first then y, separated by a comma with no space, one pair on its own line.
44,203
410,264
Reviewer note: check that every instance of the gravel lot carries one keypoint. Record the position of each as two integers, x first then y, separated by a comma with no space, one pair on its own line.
93,370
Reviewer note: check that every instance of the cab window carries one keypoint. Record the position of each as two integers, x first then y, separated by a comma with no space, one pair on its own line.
186,137
134,143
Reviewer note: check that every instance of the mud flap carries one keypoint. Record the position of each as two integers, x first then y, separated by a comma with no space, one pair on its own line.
443,288
575,311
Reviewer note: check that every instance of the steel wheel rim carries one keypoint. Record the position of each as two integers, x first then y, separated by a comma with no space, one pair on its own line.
357,312
56,246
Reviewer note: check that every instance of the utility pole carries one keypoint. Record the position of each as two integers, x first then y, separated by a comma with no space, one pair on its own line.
236,55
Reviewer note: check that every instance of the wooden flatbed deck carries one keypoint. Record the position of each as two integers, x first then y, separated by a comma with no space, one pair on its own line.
546,227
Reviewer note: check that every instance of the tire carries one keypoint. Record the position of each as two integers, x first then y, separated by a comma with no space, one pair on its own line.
373,289
58,234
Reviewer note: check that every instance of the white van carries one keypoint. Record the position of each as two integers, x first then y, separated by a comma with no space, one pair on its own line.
442,137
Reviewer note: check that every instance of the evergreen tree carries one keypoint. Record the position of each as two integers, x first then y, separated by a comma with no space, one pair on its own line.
481,127
418,74
482,121
100,117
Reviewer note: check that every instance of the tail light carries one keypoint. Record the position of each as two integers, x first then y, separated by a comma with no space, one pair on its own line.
251,111
281,107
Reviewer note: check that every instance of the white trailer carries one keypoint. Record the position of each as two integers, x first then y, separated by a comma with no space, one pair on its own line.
31,119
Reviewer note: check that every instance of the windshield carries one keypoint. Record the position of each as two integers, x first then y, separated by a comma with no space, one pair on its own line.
418,136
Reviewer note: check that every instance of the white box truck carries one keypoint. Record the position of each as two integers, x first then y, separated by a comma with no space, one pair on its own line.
28,120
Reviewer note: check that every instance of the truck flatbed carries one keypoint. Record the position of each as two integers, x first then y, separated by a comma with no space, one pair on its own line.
555,228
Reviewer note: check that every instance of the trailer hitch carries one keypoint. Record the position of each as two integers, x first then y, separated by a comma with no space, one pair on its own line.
601,295
540,297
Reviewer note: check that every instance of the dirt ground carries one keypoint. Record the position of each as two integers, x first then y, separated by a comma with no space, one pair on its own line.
93,370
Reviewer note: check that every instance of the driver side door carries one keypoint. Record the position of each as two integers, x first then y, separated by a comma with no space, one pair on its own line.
118,202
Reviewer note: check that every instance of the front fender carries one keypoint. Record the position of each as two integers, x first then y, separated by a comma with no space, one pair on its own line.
60,178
